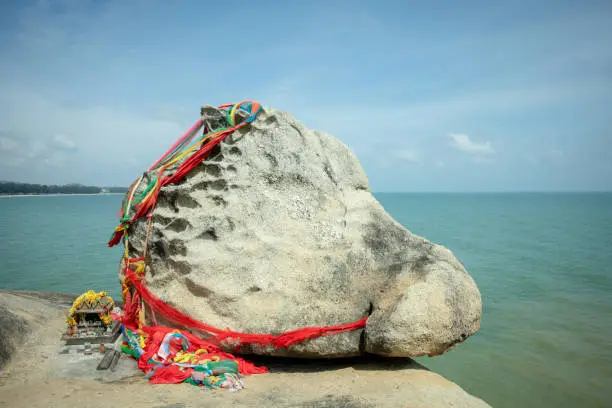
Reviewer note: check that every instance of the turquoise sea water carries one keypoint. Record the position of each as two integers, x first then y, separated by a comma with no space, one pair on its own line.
543,263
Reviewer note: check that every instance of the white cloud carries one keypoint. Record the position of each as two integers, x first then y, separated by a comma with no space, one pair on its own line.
407,156
464,144
55,160
16,161
440,163
7,144
15,152
37,148
63,142
112,136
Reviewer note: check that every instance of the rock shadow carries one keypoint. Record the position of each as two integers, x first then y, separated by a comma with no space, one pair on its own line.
361,363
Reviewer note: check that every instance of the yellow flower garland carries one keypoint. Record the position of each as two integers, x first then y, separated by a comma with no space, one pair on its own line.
90,298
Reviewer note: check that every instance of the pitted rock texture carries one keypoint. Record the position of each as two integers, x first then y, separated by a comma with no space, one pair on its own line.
278,230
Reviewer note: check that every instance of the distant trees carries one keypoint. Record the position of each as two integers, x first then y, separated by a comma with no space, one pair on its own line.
116,189
12,188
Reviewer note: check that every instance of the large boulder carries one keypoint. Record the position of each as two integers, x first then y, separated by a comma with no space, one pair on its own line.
278,230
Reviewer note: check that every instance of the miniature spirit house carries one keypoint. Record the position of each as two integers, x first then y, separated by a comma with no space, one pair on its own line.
90,317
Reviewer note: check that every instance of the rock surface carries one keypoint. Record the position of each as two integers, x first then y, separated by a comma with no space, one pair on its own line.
278,230
349,383
20,317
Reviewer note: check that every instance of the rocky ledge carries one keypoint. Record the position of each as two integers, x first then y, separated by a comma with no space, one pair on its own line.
35,374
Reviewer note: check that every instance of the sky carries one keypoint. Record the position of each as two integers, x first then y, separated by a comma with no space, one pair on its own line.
429,95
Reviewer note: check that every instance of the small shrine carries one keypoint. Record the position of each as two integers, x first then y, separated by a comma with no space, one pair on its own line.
89,319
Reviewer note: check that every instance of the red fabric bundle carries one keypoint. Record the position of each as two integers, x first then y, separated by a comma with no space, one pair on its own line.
173,374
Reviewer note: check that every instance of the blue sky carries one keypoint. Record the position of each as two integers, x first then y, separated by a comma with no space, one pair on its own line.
431,96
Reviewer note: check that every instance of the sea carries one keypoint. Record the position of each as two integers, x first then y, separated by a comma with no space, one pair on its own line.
542,262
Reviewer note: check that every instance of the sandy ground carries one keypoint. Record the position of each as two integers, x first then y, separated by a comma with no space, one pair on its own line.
38,376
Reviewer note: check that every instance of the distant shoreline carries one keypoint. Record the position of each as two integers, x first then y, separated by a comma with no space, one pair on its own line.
58,195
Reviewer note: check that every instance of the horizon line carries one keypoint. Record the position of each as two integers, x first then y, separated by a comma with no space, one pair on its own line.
497,192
